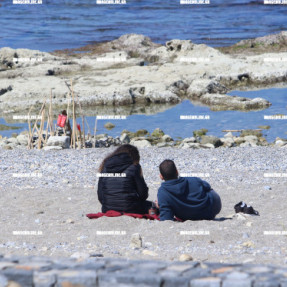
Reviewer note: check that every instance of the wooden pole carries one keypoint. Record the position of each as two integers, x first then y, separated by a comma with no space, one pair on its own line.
68,108
89,131
40,133
74,117
35,125
50,117
47,128
82,115
30,132
95,130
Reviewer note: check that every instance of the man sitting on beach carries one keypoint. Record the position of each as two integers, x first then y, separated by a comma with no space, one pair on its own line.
186,198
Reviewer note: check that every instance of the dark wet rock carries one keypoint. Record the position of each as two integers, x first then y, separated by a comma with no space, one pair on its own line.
5,90
211,140
216,88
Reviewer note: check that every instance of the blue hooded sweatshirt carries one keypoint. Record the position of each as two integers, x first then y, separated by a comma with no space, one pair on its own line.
186,198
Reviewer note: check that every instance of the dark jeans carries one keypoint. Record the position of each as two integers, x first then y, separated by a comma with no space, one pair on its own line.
216,206
146,206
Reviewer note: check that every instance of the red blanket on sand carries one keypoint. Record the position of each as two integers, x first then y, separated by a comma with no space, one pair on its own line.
112,213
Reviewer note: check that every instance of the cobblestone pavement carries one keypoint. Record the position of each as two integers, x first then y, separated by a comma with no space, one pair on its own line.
96,271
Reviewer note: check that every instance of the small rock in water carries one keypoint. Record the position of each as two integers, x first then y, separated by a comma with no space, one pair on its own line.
136,241
109,126
185,257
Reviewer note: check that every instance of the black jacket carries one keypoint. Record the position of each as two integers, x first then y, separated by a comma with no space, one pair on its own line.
124,194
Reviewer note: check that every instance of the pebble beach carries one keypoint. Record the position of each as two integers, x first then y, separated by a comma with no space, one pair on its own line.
47,195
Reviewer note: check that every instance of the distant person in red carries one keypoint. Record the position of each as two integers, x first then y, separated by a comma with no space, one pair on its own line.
64,125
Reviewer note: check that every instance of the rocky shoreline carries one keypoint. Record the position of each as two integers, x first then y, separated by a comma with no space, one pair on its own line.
134,71
103,272
144,139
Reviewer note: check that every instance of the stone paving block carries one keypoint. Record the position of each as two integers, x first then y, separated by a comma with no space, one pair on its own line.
89,266
222,270
12,258
196,273
267,283
154,266
180,268
13,284
6,264
45,278
175,281
281,272
168,273
21,276
3,281
259,269
87,278
192,264
35,258
139,279
234,283
283,282
34,266
215,265
117,260
117,266
206,282
237,276
237,279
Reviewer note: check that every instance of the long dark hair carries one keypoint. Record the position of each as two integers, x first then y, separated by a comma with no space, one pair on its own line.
131,150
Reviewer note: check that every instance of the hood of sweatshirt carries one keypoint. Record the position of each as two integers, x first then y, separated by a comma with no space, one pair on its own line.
176,186
118,163
189,190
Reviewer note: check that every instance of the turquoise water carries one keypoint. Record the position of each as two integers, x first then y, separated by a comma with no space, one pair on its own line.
169,120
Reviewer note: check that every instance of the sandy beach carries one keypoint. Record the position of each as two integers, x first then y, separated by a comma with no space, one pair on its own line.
60,191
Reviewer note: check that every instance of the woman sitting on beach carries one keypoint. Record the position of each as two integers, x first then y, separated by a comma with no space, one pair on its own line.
125,193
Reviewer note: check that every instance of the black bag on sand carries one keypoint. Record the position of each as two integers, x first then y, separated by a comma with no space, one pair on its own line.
244,208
